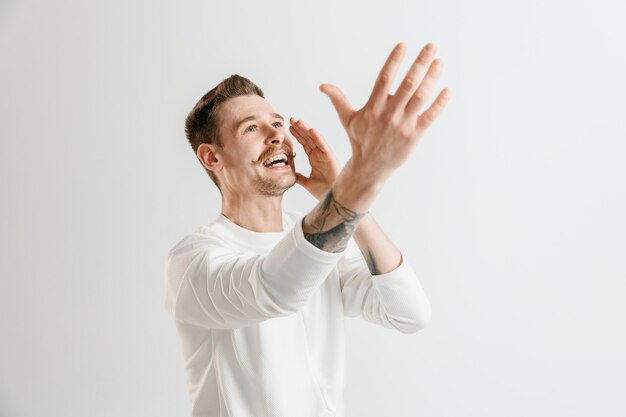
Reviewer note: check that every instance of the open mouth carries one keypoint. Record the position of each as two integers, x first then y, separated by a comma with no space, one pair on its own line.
276,161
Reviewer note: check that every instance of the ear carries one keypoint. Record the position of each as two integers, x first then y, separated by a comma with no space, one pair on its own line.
208,154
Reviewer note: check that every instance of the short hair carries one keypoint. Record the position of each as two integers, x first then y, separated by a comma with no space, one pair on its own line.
202,123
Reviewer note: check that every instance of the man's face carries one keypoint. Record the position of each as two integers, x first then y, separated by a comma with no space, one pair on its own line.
251,134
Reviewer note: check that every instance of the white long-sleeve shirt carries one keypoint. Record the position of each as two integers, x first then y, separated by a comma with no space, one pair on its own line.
261,317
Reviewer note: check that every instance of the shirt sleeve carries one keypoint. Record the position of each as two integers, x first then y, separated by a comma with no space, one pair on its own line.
214,286
394,300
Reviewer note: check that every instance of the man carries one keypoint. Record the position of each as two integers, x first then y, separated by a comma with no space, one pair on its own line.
259,295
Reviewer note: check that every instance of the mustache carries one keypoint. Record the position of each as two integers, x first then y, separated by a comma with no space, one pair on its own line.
291,154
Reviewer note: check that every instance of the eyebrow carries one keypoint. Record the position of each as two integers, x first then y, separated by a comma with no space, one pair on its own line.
254,116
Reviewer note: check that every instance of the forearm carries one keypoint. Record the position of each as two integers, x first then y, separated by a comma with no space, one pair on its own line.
334,219
380,254
382,134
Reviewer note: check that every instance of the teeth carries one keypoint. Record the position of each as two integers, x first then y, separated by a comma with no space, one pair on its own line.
275,157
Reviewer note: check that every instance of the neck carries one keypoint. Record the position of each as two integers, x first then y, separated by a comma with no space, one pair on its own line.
258,213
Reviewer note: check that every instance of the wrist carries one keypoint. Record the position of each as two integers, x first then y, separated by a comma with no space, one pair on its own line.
369,172
362,175
356,188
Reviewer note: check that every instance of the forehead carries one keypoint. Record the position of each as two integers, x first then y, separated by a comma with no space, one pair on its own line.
237,108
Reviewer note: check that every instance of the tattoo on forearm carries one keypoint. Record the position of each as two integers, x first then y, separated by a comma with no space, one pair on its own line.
371,263
328,212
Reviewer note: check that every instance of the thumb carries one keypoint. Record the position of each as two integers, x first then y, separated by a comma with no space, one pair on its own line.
301,179
340,102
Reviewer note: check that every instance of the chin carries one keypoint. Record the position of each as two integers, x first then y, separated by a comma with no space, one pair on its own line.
275,187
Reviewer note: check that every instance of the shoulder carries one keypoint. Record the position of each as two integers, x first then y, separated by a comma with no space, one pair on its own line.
203,239
193,254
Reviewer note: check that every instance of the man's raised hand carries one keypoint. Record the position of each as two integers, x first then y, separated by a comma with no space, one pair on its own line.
384,132
382,135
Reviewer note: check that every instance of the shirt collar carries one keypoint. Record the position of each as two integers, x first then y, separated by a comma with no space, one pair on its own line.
248,238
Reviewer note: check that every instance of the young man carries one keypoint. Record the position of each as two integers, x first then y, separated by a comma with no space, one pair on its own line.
259,295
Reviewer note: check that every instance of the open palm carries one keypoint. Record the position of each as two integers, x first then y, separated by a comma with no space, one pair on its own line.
384,132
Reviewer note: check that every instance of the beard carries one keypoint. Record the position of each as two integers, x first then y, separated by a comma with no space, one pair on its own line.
274,186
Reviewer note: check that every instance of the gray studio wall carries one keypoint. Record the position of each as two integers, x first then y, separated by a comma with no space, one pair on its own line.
510,209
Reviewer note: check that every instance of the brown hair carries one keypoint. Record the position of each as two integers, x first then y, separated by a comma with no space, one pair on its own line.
202,123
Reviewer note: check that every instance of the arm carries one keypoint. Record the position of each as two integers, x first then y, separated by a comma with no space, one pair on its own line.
394,300
382,135
380,253
210,284
376,282
379,285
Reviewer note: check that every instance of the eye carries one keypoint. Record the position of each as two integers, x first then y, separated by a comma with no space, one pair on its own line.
250,127
278,123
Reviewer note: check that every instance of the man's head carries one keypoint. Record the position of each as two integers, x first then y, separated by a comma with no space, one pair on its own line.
233,130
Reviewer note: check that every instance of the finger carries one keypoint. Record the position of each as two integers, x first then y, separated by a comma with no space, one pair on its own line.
315,139
303,127
421,95
299,136
413,77
298,126
303,142
431,114
385,77
318,140
340,102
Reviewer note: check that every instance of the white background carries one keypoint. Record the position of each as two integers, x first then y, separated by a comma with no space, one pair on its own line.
511,209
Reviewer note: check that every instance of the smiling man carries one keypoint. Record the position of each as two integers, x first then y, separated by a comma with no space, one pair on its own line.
259,295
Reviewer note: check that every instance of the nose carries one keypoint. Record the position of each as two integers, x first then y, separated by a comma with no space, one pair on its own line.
276,137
